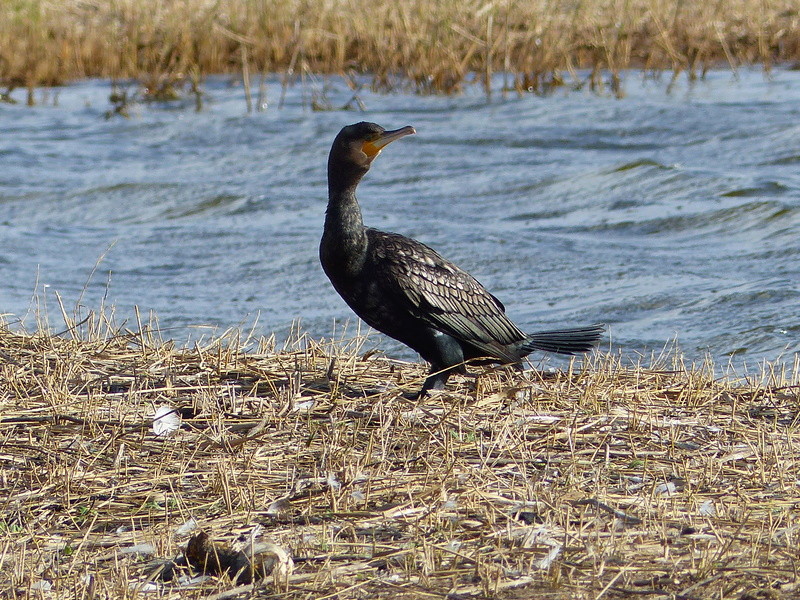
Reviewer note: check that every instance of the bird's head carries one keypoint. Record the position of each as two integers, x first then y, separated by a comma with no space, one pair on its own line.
357,145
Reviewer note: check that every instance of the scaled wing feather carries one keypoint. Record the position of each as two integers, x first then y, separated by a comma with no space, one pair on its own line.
450,299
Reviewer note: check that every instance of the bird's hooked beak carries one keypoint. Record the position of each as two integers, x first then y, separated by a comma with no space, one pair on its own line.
373,147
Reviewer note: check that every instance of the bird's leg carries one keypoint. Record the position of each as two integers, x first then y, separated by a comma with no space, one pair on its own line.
436,380
446,357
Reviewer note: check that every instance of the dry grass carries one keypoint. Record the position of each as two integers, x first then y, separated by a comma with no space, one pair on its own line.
436,46
601,482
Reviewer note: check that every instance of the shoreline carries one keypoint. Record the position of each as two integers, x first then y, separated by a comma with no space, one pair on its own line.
438,48
565,484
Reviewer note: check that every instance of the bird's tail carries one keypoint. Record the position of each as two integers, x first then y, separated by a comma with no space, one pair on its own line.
564,341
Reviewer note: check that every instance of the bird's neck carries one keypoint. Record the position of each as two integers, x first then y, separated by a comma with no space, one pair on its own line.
344,241
344,214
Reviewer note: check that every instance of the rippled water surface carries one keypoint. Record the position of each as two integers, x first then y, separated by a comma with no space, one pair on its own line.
665,215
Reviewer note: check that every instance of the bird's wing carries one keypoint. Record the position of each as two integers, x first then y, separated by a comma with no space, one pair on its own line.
437,291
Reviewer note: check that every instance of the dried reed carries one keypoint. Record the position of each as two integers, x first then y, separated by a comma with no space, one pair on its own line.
601,481
436,46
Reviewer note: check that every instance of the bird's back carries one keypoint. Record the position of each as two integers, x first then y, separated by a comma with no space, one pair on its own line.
432,292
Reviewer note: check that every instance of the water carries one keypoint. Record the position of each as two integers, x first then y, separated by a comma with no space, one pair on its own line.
665,215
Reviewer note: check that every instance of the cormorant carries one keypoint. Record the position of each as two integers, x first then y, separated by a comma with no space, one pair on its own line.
405,289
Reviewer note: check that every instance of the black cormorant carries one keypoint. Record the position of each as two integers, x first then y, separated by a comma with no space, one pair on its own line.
403,288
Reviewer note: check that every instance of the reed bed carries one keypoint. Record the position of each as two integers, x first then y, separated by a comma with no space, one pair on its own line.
598,481
434,47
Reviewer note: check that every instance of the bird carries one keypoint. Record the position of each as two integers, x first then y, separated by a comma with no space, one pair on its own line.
406,290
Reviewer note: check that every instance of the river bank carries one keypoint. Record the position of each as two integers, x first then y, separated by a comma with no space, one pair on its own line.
605,478
429,46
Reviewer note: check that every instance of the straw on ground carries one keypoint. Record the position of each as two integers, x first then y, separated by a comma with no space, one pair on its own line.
601,481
